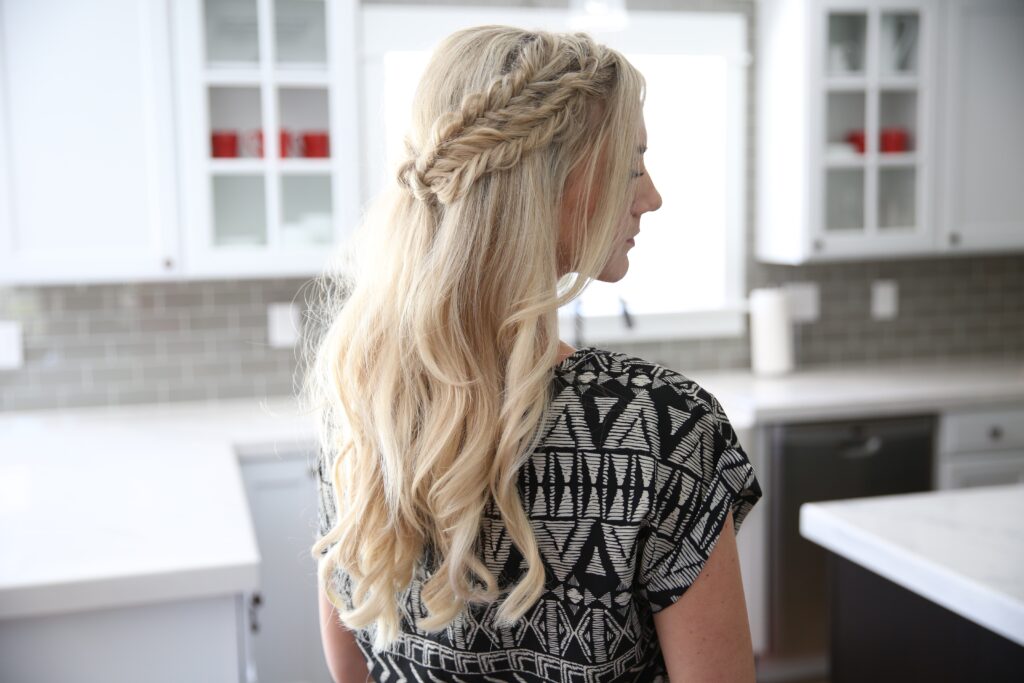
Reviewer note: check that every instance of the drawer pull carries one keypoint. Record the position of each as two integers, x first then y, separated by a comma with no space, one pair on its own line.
995,433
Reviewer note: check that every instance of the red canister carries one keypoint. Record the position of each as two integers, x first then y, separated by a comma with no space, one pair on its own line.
894,140
315,143
224,143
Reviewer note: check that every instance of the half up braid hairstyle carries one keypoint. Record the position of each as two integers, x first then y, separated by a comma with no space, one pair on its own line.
432,337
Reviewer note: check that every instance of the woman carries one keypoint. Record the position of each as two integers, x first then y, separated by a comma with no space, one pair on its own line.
495,504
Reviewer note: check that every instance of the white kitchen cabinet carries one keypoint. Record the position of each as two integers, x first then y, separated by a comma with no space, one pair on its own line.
888,128
267,96
283,625
981,447
164,642
982,136
87,171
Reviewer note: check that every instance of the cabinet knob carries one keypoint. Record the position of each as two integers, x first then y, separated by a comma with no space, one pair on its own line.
995,433
954,238
168,263
819,245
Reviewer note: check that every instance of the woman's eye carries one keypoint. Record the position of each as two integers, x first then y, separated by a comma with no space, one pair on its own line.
636,174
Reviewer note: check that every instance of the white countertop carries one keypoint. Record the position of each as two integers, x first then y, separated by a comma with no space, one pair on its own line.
890,388
962,549
107,507
111,506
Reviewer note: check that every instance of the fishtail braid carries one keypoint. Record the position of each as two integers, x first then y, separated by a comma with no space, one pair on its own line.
520,111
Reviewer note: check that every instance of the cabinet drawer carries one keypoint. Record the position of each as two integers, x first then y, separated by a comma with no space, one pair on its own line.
982,430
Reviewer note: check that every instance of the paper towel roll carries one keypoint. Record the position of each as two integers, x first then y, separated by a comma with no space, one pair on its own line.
771,332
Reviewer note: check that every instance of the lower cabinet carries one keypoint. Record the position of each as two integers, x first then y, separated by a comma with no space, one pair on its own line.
981,446
281,622
170,642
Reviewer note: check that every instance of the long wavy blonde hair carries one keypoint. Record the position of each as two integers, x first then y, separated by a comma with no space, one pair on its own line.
436,332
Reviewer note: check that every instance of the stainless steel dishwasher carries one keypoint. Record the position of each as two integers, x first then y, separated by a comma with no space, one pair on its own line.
815,461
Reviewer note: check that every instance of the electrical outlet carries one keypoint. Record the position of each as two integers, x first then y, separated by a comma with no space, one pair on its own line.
12,354
284,322
803,299
884,295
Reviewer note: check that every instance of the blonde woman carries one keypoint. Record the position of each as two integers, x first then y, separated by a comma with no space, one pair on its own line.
496,505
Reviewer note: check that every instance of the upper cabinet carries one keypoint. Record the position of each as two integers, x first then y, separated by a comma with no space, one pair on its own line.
151,140
87,176
865,128
983,127
266,93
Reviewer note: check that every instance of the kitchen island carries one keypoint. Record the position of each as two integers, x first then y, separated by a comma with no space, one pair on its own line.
924,586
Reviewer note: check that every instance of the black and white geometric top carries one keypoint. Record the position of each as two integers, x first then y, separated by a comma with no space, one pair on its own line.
627,493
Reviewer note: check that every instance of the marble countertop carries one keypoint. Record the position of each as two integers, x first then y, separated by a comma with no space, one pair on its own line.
117,506
101,507
854,391
962,549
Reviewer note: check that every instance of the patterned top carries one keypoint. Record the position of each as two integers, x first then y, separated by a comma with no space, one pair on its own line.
627,493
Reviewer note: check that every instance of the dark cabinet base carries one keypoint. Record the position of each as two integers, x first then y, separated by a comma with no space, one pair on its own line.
883,632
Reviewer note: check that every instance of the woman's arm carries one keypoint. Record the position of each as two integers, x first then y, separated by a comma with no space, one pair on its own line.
705,635
345,660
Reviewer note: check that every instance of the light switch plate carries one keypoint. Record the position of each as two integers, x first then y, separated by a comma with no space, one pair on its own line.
884,299
803,299
284,323
12,354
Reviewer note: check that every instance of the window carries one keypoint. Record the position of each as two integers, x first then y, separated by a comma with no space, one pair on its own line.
687,270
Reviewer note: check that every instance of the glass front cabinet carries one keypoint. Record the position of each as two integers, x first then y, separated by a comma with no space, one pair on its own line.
847,91
268,144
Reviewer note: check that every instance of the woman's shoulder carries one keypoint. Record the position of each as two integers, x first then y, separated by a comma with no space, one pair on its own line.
596,371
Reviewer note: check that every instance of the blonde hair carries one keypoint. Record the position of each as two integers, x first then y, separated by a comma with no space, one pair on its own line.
438,333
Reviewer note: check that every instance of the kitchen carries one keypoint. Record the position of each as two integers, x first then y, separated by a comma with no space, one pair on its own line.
867,299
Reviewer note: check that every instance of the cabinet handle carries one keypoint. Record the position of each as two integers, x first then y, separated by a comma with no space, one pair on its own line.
254,605
819,245
954,238
995,433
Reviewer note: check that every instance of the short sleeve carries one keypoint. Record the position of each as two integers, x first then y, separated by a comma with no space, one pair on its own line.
701,474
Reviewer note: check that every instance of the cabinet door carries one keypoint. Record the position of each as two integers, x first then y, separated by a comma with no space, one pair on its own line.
284,630
872,64
87,187
266,94
981,469
983,136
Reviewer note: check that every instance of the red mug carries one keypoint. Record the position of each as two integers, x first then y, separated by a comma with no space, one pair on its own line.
856,138
894,140
224,143
315,144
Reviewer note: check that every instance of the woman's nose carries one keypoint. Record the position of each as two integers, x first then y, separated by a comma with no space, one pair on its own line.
652,198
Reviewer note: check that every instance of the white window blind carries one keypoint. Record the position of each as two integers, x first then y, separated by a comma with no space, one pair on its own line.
687,269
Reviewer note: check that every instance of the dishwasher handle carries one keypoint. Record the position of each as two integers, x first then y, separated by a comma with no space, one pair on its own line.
856,449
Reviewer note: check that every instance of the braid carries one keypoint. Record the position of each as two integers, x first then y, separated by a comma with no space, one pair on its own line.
520,111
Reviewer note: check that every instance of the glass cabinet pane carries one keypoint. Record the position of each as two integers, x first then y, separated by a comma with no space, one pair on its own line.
845,116
897,198
236,121
306,209
304,117
844,199
239,212
232,35
846,43
898,44
300,32
897,119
